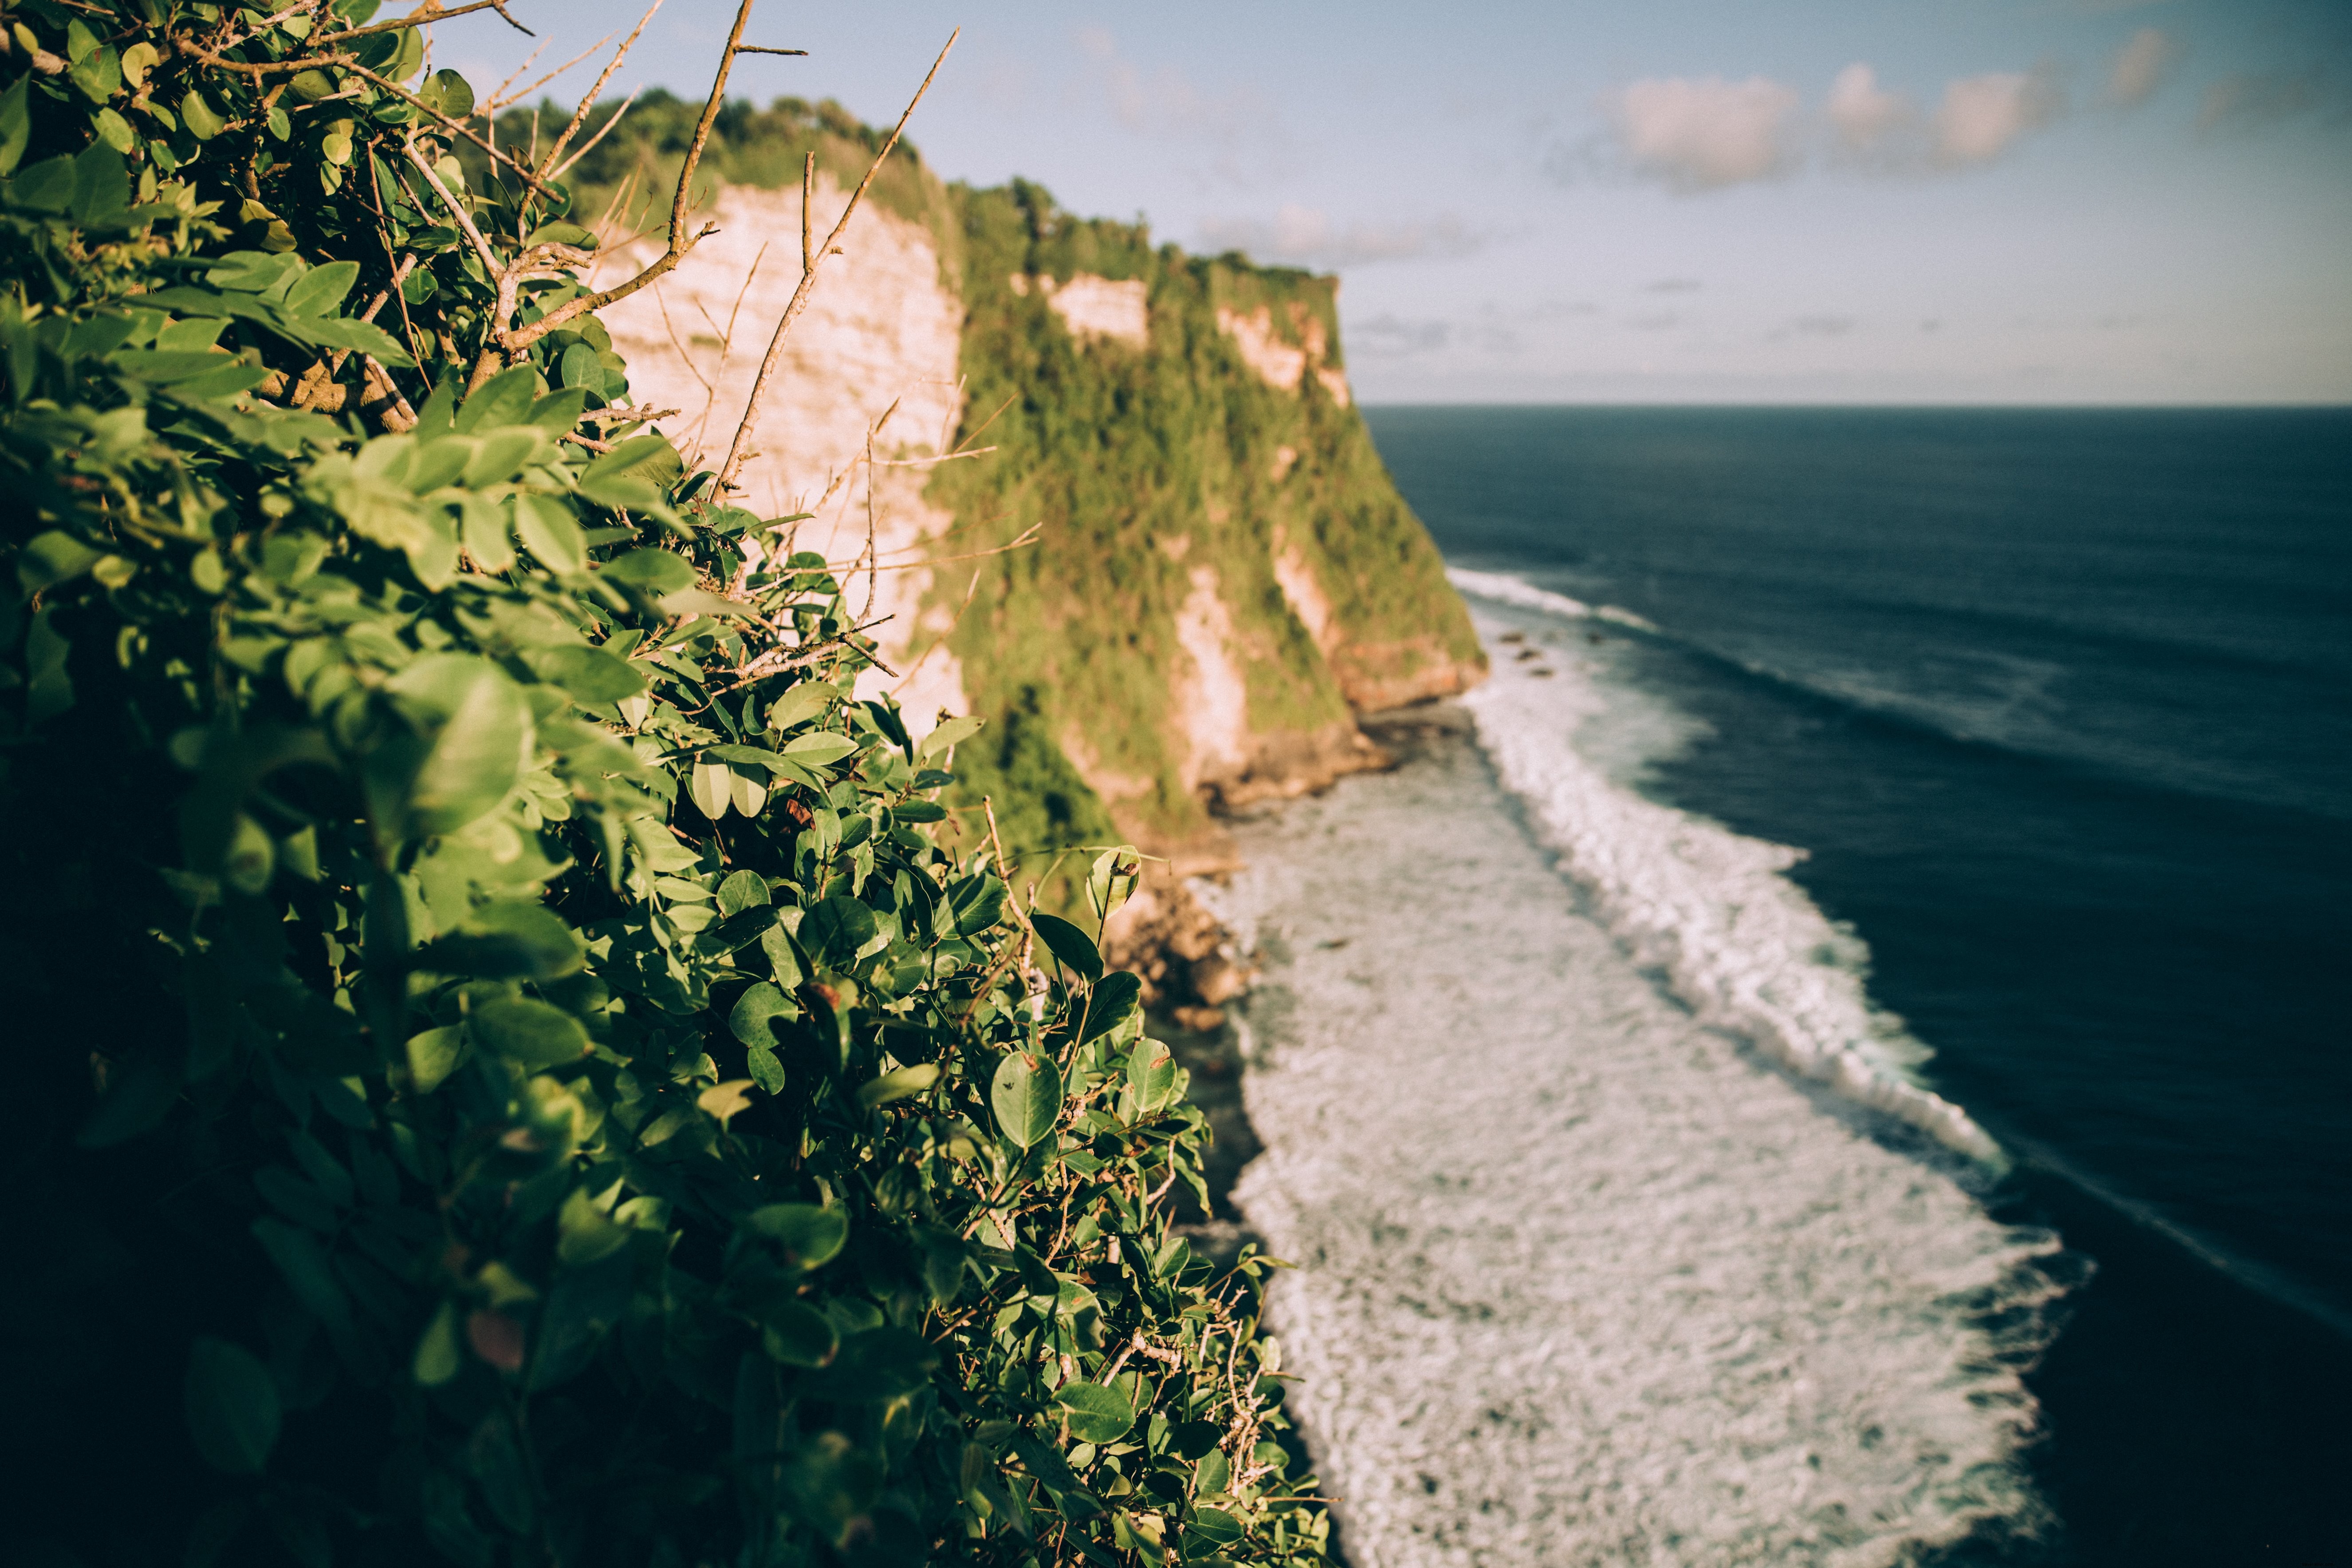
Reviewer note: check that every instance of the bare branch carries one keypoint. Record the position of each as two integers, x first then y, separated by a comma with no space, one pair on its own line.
743,431
602,132
456,210
756,49
413,19
808,205
680,242
502,99
580,115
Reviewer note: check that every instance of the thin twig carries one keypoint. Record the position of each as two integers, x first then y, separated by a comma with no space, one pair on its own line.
740,451
588,104
414,20
808,203
602,132
1028,537
680,242
456,209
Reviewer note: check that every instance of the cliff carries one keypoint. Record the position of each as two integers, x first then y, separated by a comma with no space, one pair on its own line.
1221,575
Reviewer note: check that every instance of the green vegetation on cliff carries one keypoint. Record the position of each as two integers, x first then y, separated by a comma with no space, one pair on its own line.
1166,474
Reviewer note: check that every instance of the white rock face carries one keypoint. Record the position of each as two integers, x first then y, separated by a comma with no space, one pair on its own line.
1282,365
880,326
1092,306
1213,695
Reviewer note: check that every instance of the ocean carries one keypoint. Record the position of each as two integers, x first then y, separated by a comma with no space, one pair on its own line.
1835,1052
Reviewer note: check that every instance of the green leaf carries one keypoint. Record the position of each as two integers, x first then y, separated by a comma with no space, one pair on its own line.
232,1406
1151,1076
16,125
438,1354
657,571
196,114
434,1054
1112,880
558,411
583,1232
347,332
712,788
529,1032
836,930
949,733
811,1235
829,1484
496,457
322,289
1195,1439
548,529
875,1367
756,1014
486,534
1027,1095
801,704
593,677
1111,1003
310,86
1212,1528
450,93
743,891
902,1084
819,751
797,1334
504,399
581,368
561,232
765,1069
976,903
636,472
1096,1414
53,557
1071,945
507,942
470,735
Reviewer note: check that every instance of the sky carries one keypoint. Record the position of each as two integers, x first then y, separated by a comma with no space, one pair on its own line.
1710,201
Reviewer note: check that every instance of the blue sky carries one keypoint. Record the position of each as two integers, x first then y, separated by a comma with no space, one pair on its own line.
2008,201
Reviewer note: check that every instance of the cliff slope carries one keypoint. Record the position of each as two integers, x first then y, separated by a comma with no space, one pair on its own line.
1222,573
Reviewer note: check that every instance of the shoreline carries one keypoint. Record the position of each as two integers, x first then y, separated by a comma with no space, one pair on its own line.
1537,1310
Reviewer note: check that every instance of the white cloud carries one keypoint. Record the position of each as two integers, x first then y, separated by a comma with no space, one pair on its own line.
1703,132
1981,115
1863,113
2248,99
1306,236
1241,124
2140,66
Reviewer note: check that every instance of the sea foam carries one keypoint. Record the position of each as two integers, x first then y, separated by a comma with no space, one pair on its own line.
1579,1281
1708,907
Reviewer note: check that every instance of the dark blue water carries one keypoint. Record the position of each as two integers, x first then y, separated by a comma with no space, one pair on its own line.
2060,704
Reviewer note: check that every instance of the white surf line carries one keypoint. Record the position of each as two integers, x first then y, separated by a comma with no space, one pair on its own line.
1710,909
1577,1283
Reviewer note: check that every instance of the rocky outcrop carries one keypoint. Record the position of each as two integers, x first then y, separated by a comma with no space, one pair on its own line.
1223,576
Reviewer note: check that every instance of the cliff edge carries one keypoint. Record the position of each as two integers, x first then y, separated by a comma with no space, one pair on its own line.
1218,574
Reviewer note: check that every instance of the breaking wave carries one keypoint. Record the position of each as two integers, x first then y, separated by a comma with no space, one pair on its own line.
1709,909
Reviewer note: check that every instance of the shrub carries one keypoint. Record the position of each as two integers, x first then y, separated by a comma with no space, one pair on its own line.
504,1073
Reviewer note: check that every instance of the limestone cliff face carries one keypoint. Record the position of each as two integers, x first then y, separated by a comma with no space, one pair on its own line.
1222,575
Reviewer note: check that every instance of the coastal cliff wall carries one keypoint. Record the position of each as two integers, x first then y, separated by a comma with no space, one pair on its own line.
1221,575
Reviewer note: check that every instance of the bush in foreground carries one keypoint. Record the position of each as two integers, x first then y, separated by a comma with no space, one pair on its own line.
503,1072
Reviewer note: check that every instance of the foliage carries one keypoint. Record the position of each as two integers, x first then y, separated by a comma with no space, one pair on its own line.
504,1072
1151,466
